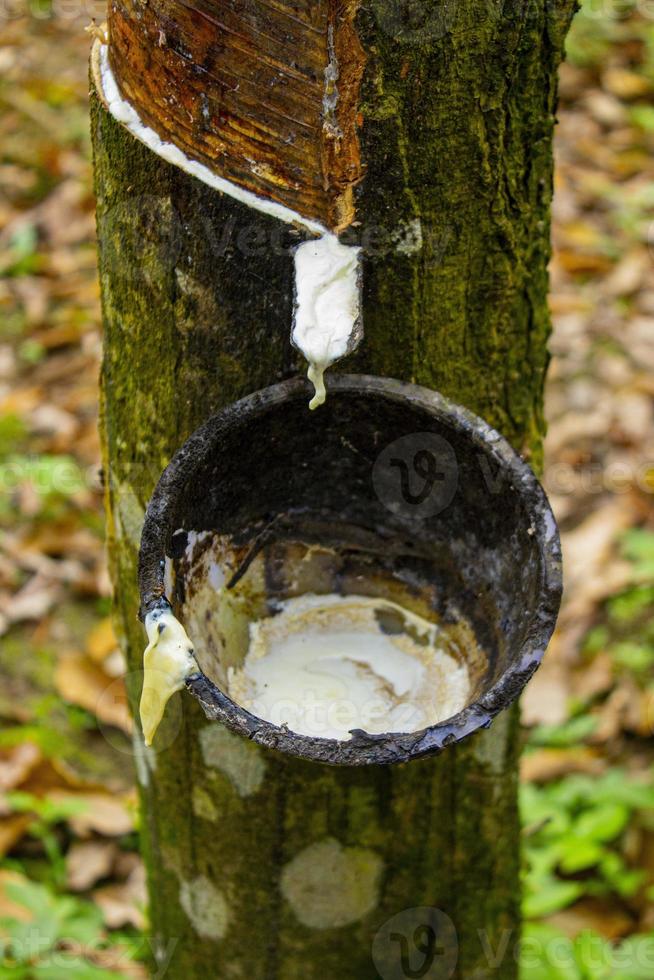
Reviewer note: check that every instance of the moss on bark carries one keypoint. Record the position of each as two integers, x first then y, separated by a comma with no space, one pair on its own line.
457,117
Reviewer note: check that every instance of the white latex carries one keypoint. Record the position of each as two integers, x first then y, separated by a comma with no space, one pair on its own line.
327,305
323,666
167,662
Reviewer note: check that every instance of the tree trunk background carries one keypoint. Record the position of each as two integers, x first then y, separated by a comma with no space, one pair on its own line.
262,866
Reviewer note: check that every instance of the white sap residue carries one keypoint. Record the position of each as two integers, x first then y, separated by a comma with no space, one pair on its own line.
327,664
167,662
327,305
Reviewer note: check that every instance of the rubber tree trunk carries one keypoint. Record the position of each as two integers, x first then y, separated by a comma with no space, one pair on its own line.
262,866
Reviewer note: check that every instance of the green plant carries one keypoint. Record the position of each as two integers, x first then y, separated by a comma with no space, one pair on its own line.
626,631
547,954
46,814
56,941
570,733
575,846
638,547
24,258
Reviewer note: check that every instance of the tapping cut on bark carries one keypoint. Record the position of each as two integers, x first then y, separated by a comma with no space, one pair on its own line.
263,92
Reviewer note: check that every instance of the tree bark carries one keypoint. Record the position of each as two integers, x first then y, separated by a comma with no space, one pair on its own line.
263,866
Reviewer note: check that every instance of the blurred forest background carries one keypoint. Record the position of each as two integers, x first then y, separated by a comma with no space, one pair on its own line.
71,882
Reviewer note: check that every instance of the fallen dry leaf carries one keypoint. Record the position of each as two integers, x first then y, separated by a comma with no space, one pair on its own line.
543,765
126,862
122,904
580,262
89,861
110,816
21,401
586,549
55,773
629,274
593,678
595,915
625,84
616,713
82,682
118,960
33,601
574,427
545,699
12,829
16,764
51,419
101,641
605,108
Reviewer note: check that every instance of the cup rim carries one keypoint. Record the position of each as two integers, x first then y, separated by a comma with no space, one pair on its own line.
363,748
